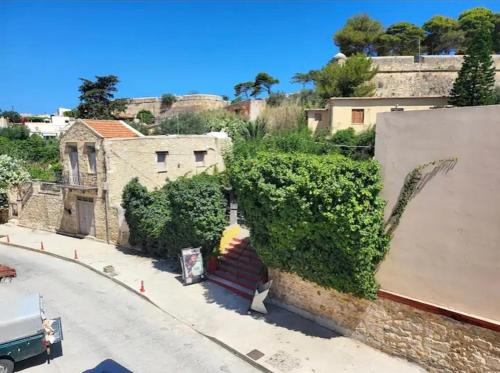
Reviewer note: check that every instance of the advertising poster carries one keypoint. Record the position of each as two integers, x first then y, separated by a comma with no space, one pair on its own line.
192,266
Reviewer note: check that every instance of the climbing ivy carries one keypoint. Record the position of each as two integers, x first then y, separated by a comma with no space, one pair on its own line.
319,216
413,183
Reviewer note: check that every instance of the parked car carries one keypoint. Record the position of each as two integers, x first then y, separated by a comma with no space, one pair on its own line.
25,331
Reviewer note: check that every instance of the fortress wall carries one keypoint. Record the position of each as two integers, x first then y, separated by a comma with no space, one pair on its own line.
434,75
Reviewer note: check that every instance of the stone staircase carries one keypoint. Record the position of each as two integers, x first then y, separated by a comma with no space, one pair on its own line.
239,269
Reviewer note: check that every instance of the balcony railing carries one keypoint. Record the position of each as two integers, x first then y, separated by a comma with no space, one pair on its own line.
80,180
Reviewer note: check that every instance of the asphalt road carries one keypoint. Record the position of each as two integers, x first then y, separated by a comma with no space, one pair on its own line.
106,327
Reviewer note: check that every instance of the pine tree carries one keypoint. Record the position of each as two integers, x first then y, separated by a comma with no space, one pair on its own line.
475,83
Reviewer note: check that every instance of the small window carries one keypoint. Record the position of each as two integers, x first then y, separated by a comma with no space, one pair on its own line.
91,157
358,116
199,158
318,117
161,160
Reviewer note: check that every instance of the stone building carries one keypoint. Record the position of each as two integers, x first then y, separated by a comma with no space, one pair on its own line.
402,83
99,158
248,109
183,104
360,113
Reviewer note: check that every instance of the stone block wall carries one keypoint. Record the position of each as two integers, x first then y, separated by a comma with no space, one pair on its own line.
433,75
44,209
184,104
438,343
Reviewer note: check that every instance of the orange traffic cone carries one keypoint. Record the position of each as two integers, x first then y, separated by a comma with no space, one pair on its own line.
41,246
76,255
142,290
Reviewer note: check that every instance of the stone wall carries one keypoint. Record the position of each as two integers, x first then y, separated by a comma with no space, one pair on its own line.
438,343
184,104
53,207
433,75
44,209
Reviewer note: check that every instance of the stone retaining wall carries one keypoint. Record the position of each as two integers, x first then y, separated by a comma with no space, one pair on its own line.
44,209
438,343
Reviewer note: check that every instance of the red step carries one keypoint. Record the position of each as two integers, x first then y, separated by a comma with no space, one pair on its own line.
235,288
235,263
238,272
240,257
235,279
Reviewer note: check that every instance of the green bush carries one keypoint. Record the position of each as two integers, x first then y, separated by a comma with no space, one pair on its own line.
41,156
319,216
184,123
168,99
197,206
187,212
355,145
15,132
145,116
199,123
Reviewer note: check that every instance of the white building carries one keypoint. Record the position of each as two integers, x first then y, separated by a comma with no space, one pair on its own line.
47,130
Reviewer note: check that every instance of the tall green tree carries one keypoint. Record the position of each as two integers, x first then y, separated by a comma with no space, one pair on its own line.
97,98
303,78
358,35
11,116
350,79
400,39
442,35
475,83
146,117
263,82
243,88
496,34
475,21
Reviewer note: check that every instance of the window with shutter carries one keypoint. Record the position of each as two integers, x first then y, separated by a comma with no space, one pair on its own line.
358,116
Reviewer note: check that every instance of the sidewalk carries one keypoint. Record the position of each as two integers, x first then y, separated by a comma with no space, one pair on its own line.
289,342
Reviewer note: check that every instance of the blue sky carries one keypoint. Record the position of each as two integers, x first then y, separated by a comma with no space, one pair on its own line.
158,47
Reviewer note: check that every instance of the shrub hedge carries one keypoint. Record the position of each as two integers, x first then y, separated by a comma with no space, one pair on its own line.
319,216
187,212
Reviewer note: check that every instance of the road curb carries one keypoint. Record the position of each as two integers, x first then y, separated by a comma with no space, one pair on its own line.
129,288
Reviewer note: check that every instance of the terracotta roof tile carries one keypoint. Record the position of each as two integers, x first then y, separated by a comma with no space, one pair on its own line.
110,128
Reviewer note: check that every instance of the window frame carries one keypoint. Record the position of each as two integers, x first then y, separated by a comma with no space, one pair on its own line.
202,162
161,166
358,110
87,153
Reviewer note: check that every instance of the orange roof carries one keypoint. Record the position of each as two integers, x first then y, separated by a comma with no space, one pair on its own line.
110,128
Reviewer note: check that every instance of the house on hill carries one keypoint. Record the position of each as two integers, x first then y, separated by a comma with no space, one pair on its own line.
99,157
360,113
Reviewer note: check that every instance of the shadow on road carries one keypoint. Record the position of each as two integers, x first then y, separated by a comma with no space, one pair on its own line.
55,352
108,366
277,316
215,294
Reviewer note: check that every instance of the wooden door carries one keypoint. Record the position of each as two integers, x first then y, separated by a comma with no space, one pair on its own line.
86,221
